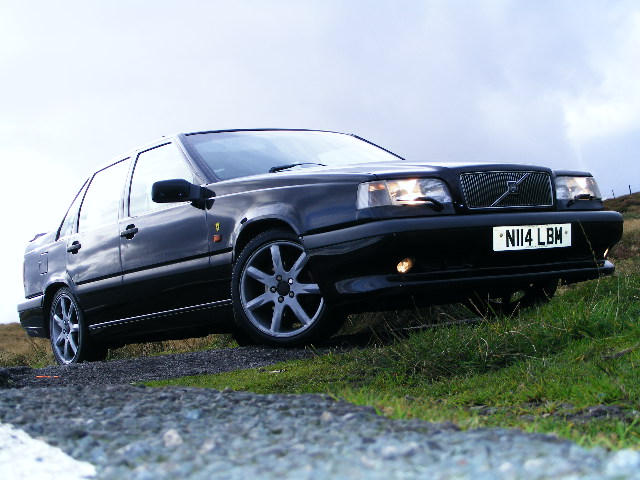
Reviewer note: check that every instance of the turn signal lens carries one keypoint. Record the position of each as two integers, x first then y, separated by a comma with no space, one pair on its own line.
373,194
405,265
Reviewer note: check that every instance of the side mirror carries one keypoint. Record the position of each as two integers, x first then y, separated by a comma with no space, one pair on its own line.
178,190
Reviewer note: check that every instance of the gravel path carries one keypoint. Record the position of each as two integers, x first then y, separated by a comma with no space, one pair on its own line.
93,414
141,369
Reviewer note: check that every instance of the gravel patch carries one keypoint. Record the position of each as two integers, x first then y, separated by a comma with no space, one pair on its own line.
93,413
144,433
141,369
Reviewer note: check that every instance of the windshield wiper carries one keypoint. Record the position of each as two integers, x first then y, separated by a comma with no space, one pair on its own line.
291,165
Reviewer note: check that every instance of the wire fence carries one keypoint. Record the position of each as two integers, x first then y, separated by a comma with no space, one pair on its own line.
620,190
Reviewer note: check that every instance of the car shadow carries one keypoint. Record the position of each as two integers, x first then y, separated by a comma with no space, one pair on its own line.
374,338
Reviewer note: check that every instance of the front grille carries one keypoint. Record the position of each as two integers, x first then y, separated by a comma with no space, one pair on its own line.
506,189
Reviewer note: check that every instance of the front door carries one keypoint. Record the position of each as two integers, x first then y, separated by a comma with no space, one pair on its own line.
164,247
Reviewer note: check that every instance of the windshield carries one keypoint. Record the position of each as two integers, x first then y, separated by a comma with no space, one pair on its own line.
238,154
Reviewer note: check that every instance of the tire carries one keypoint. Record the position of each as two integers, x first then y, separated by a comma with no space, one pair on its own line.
275,299
70,340
510,303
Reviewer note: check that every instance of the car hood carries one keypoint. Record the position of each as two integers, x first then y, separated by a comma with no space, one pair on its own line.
420,168
359,173
406,167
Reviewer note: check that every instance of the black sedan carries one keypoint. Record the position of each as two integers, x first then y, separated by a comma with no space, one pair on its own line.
276,235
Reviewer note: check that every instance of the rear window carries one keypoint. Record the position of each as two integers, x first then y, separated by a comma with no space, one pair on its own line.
101,203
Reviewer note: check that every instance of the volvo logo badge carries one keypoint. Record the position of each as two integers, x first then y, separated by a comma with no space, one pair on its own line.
512,189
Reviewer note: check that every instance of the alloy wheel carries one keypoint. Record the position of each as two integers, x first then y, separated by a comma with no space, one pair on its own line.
278,294
65,328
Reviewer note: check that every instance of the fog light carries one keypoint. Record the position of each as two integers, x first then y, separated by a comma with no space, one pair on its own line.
405,265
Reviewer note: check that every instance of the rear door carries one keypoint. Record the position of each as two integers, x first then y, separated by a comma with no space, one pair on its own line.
164,247
93,251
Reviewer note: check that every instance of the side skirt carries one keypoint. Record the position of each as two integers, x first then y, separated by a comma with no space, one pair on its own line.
100,327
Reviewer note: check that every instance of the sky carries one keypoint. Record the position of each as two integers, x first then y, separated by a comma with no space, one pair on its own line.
539,82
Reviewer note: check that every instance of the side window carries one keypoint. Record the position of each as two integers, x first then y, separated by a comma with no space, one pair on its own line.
71,218
102,200
161,163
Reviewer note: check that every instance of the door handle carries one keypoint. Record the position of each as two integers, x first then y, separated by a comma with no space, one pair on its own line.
129,232
74,247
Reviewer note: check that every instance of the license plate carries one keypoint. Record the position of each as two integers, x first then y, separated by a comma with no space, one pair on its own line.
531,237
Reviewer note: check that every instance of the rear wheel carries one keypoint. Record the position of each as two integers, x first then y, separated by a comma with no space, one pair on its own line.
511,302
70,340
276,299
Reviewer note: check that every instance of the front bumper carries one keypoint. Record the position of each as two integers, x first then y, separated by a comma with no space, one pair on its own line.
453,257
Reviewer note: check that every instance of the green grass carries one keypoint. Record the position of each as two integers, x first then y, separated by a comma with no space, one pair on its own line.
539,371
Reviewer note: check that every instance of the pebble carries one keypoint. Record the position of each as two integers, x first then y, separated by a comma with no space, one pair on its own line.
116,430
177,432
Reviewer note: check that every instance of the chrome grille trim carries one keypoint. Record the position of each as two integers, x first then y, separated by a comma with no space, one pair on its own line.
506,189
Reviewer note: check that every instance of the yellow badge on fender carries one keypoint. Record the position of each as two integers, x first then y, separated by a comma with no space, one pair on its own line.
217,226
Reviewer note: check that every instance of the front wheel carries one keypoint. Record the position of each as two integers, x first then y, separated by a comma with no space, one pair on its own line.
70,341
513,301
275,297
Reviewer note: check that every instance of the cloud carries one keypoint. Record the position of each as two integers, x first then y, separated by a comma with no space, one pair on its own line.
612,105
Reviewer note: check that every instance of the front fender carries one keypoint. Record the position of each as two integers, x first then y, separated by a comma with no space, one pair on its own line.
260,219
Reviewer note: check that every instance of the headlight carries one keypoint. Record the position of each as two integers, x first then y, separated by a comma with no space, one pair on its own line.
577,188
411,191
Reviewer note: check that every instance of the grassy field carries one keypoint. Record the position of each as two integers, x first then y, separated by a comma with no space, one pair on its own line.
568,368
16,348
